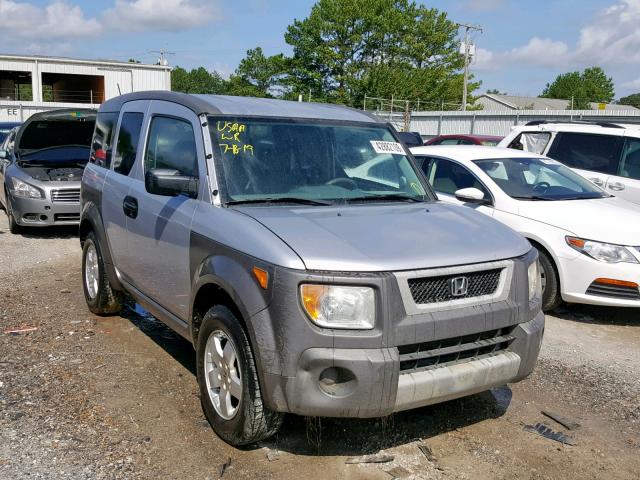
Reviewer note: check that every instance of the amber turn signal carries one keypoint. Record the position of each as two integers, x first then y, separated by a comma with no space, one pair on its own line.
261,276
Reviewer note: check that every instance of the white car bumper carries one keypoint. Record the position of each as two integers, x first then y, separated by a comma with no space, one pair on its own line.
579,273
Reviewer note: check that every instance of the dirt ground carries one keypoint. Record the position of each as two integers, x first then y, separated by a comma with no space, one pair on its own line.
84,397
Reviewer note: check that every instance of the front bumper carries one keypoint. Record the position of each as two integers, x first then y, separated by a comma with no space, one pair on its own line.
42,212
375,387
409,359
579,272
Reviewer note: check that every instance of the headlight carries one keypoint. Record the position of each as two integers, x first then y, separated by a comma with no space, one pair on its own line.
535,285
23,189
333,306
605,252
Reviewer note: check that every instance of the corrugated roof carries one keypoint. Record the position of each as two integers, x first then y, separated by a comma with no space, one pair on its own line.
537,103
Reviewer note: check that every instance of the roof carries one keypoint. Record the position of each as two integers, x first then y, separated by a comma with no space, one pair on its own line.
538,103
472,152
44,58
615,128
245,106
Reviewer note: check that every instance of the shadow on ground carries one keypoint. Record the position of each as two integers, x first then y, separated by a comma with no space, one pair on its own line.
343,436
598,315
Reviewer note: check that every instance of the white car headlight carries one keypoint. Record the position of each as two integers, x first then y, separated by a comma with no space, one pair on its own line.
23,189
604,252
333,306
535,284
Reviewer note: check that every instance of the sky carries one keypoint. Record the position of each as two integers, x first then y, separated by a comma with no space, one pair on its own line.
524,43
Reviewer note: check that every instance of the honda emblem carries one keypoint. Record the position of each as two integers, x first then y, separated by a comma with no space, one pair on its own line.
458,286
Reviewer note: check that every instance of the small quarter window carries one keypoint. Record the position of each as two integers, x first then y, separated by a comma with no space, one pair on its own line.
128,137
172,146
102,138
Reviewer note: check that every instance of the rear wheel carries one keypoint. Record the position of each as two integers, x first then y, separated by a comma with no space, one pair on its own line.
229,388
550,283
101,298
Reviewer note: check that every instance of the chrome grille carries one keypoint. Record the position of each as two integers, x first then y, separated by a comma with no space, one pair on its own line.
69,195
439,353
438,289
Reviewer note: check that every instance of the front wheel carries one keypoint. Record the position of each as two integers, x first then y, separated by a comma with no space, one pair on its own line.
13,225
550,283
229,388
101,298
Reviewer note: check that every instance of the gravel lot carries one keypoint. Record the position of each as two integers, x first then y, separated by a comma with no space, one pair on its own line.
84,397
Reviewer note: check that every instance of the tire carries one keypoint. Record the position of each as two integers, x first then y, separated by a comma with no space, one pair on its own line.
551,298
251,420
101,298
13,225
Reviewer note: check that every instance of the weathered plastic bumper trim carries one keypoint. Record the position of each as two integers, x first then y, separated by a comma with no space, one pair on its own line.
446,383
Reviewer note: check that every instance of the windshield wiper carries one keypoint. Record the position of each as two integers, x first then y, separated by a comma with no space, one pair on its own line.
301,201
532,197
392,197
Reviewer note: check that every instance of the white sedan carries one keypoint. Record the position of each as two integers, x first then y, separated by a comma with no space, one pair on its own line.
589,241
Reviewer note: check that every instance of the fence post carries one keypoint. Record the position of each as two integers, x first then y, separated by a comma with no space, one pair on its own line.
473,123
440,123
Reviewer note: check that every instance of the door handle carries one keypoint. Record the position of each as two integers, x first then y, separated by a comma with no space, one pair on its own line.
616,186
598,181
130,207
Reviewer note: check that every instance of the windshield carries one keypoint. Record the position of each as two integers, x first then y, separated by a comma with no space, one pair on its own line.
267,159
538,179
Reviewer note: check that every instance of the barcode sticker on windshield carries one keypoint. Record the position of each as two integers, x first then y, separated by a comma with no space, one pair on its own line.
393,148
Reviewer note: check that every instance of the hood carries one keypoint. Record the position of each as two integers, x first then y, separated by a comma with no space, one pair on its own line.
55,129
611,220
376,238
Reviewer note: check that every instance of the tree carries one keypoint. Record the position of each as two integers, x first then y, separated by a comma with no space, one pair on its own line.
265,74
592,85
346,49
495,91
633,100
198,80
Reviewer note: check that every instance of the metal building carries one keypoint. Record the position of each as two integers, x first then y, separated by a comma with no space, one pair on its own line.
30,84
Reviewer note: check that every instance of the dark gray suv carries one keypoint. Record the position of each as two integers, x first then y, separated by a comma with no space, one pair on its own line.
305,256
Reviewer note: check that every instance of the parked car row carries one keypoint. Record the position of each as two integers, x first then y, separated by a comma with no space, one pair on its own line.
303,251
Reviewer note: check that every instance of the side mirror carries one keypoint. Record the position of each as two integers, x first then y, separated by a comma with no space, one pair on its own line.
471,195
167,182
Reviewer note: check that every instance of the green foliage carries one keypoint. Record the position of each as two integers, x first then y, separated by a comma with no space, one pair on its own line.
592,85
198,80
633,100
495,91
346,49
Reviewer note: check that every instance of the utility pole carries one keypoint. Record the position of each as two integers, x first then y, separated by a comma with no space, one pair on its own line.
467,50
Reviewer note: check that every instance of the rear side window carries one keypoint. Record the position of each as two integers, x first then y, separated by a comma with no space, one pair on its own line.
598,153
128,137
630,161
102,138
172,145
